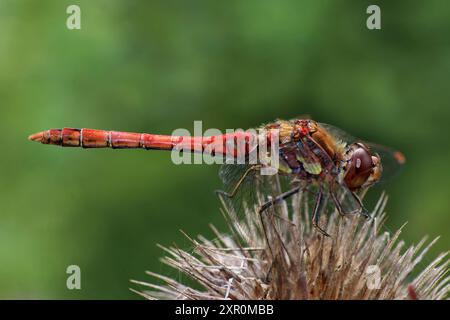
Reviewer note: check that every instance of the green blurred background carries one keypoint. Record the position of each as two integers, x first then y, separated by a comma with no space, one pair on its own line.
154,66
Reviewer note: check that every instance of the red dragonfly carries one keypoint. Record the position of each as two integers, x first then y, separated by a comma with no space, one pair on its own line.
309,154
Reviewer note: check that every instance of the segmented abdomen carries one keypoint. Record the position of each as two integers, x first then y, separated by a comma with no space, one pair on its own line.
92,138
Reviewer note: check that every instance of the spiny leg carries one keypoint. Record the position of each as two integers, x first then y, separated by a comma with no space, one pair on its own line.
317,211
338,204
278,199
364,211
360,210
271,203
239,183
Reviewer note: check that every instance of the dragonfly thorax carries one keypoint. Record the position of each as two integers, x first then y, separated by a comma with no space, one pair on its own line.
309,150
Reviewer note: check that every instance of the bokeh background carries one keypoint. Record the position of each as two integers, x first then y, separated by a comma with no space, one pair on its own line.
155,66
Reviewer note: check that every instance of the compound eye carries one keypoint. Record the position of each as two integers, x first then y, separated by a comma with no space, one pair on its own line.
362,160
359,167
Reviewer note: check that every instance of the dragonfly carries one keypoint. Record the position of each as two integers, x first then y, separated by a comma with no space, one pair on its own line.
309,153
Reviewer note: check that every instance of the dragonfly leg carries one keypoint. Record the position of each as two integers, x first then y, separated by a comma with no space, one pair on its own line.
271,203
364,212
278,199
360,210
317,211
239,183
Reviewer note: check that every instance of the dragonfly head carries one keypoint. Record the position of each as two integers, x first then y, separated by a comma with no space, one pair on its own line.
362,168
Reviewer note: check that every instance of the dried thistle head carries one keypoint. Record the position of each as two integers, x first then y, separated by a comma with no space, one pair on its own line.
280,256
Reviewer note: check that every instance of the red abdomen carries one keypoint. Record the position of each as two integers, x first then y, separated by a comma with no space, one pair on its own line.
92,138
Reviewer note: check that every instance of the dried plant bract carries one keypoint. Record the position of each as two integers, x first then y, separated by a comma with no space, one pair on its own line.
281,256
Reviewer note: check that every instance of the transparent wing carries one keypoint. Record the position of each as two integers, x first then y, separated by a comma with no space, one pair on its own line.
248,188
339,133
239,191
392,161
